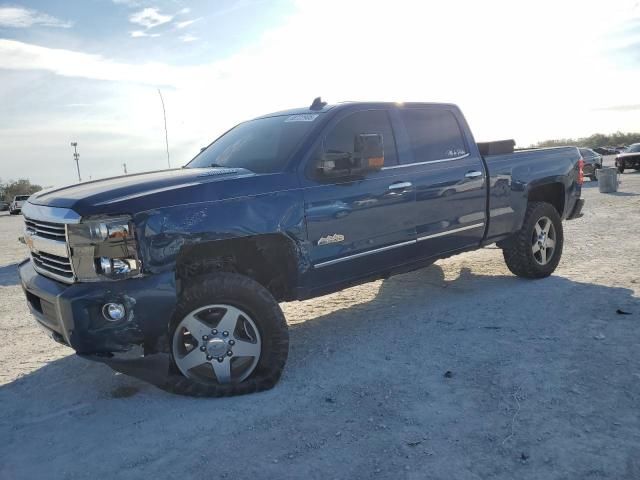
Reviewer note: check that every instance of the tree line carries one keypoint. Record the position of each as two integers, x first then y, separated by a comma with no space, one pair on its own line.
616,139
11,188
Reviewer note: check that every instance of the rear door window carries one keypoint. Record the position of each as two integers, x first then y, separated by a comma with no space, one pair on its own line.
434,134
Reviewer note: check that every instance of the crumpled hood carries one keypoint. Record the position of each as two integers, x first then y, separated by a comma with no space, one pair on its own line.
146,191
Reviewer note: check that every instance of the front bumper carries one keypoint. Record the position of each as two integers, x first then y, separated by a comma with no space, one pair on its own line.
72,314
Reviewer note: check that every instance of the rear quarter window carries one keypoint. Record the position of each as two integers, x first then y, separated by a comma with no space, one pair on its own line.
434,134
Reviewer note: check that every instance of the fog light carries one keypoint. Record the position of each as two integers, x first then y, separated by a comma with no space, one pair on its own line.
113,311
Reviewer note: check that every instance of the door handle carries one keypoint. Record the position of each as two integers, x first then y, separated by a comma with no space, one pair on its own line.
473,174
399,185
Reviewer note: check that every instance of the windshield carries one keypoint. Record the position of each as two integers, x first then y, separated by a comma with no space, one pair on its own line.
262,146
20,198
634,148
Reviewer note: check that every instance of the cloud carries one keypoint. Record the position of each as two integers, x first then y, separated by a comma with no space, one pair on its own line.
142,33
149,18
619,108
19,17
186,23
184,11
188,38
17,55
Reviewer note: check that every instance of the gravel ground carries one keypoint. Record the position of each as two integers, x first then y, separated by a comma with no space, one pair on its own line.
543,382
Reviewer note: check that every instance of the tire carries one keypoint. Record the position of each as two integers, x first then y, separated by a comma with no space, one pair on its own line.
254,302
518,251
12,212
593,178
620,169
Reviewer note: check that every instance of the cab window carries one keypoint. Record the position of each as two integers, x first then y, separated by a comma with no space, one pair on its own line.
341,138
434,134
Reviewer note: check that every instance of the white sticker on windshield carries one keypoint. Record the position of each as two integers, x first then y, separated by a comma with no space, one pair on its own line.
305,117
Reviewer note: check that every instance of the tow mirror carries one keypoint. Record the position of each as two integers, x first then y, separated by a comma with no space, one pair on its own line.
367,156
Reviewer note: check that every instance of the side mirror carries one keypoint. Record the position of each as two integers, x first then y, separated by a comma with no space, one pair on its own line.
367,156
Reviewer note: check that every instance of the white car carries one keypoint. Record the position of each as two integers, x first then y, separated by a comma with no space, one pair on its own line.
16,205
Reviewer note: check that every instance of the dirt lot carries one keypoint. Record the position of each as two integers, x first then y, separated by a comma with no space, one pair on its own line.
545,379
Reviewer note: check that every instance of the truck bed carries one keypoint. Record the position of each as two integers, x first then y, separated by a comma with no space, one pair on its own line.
512,176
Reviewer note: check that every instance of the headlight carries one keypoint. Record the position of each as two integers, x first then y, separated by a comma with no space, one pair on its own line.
104,248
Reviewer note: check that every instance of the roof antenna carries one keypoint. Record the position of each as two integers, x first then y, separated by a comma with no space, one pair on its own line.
317,104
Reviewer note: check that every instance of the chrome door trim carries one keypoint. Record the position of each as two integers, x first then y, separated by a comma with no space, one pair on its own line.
427,162
400,185
451,232
362,254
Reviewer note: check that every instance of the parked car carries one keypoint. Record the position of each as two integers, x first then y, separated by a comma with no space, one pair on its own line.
17,203
592,163
604,150
630,158
4,206
190,263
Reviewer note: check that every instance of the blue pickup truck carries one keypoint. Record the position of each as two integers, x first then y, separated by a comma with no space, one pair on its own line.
190,263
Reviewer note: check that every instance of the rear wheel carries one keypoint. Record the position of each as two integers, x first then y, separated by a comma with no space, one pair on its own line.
228,337
535,250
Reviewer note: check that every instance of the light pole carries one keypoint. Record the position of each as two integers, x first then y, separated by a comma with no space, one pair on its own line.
76,157
166,135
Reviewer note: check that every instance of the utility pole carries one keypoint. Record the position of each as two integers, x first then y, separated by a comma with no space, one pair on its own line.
166,135
124,165
76,157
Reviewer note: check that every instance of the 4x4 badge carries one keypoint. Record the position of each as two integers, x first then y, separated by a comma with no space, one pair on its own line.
335,238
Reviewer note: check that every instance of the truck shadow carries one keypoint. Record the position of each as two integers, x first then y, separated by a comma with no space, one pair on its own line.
416,304
402,334
9,275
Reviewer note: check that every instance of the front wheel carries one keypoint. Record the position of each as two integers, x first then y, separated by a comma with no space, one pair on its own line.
228,337
621,169
535,250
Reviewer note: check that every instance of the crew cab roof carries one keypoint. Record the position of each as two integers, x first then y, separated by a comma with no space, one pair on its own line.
348,105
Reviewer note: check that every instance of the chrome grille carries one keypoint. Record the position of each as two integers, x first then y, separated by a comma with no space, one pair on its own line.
47,242
59,266
53,231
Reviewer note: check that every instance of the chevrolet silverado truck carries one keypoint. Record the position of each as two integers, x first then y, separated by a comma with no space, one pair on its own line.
190,263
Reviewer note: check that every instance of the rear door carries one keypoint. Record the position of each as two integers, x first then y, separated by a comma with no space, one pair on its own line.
357,226
449,178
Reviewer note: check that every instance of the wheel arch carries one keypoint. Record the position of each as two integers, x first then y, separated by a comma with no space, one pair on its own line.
271,259
552,191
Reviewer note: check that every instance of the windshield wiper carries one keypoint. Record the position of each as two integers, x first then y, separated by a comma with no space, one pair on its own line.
214,165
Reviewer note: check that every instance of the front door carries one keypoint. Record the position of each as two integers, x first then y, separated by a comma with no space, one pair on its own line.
356,227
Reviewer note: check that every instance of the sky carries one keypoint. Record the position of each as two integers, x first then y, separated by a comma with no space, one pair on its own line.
88,71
